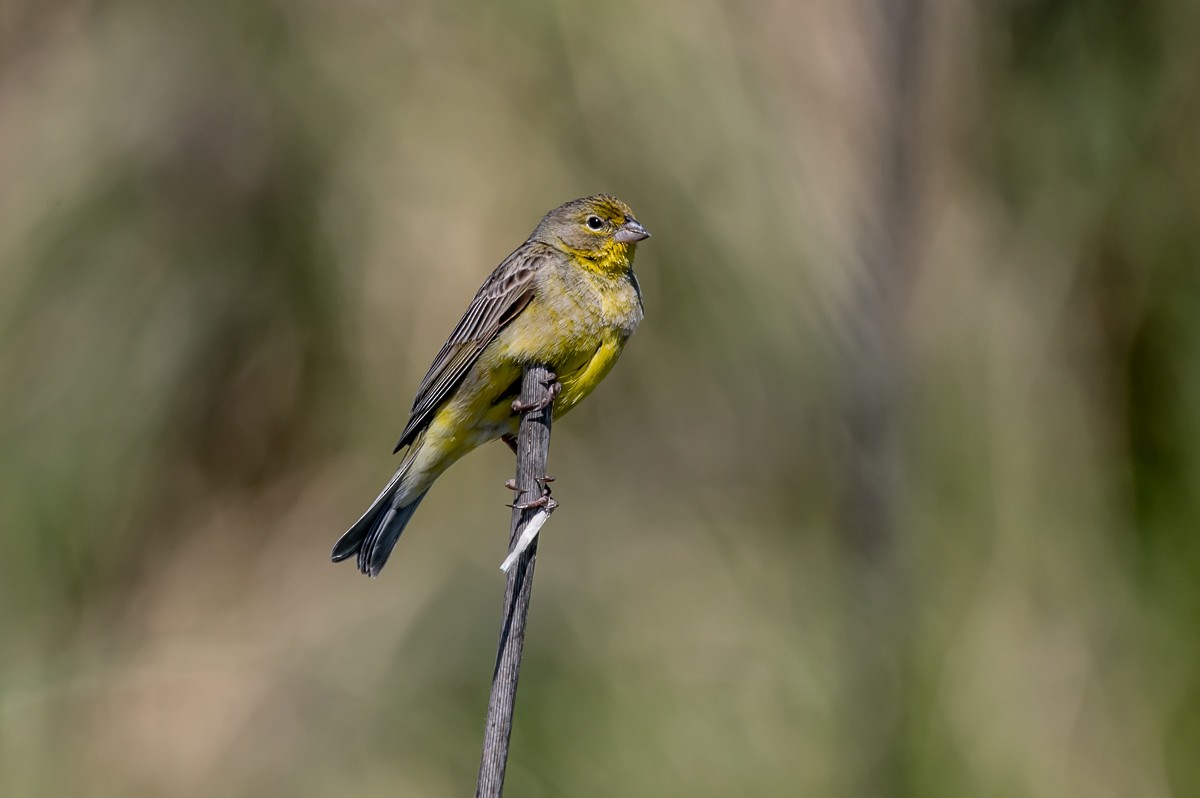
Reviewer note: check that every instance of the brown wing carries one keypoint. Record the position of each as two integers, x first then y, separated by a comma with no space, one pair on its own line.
500,299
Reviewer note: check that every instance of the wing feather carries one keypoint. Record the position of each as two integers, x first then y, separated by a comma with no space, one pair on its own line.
501,298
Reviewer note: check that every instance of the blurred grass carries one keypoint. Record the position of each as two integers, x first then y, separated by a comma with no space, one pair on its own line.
232,236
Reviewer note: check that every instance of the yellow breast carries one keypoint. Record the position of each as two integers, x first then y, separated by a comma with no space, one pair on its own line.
582,381
577,324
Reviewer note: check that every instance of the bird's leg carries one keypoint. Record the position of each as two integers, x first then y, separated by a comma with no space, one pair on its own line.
553,389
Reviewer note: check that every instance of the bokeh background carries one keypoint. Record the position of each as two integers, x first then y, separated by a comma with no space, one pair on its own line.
896,492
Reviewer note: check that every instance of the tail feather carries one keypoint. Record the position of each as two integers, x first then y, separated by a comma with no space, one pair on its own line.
374,535
383,536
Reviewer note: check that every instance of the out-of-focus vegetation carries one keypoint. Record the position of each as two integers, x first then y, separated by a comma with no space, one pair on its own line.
233,234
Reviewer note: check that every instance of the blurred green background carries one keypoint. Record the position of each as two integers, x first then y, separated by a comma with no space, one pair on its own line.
961,559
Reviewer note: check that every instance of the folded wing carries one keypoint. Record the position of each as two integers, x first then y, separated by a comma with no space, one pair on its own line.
501,298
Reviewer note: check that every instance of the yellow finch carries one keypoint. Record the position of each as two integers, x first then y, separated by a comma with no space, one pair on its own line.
566,298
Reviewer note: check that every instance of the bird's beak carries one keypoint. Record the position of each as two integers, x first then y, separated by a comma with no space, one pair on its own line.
631,232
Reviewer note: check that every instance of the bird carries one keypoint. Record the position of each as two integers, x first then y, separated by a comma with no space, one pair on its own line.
566,298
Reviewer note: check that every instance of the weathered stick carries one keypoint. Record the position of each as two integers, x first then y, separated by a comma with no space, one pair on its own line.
533,444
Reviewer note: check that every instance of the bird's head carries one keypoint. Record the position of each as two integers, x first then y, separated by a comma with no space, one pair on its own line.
599,231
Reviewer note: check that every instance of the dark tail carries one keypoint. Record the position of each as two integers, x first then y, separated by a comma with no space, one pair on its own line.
374,535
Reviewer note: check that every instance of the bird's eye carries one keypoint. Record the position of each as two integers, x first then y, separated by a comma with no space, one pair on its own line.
595,222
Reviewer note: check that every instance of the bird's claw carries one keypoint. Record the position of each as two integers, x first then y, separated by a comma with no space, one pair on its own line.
545,501
553,389
511,484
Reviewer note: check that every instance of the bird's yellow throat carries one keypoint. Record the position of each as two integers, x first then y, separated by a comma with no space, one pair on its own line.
611,259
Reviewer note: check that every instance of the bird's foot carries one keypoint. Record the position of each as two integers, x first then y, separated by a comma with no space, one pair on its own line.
510,441
511,484
553,389
545,501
